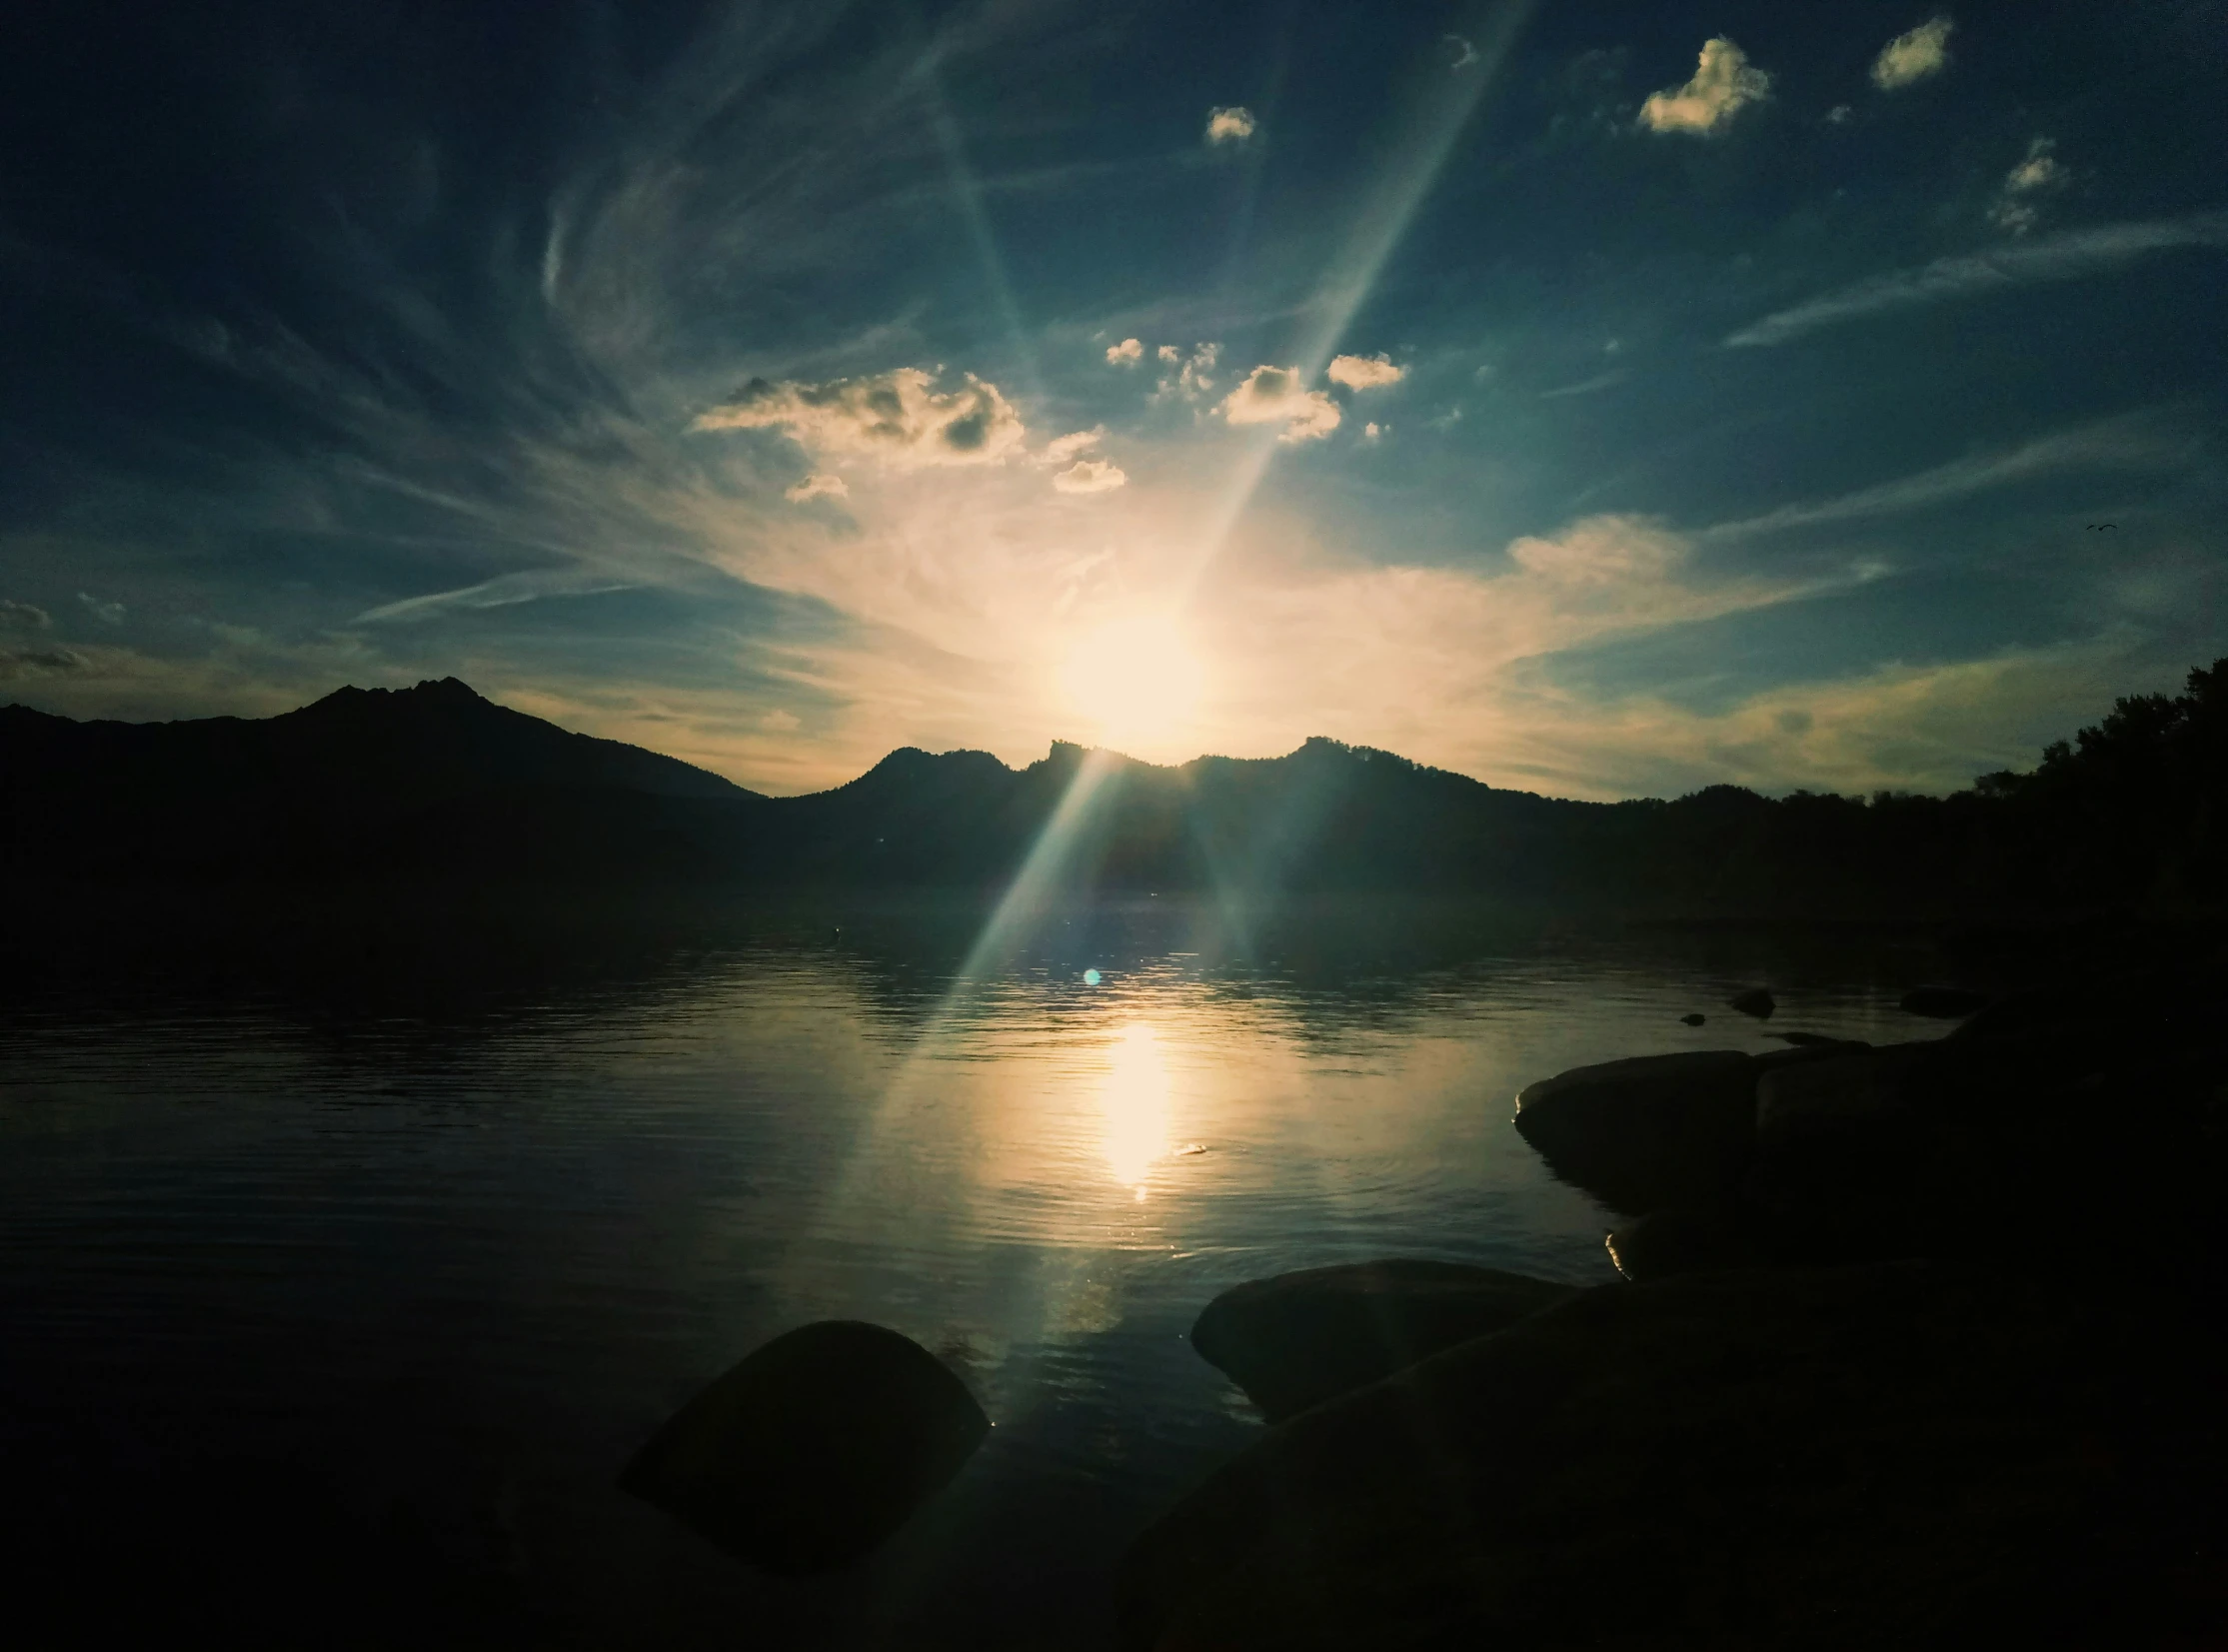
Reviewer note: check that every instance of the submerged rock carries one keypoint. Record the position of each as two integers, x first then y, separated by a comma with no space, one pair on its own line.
1646,1132
1756,1001
1694,1019
814,1449
1904,1455
1943,1004
1298,1339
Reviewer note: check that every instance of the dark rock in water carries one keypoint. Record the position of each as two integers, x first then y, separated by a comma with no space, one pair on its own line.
1756,1001
1819,1040
1298,1339
1695,1020
1907,1455
1943,1004
1843,1090
1646,1132
814,1449
1668,1242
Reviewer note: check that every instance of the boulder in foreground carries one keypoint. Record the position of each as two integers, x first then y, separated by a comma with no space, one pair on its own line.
1299,1339
1900,1455
814,1449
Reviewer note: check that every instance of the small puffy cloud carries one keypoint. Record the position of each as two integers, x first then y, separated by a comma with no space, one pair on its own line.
900,418
778,722
1839,115
820,485
1374,432
1233,125
23,616
1274,396
1466,53
1194,374
1365,372
2017,209
1060,449
109,613
20,663
1125,354
1913,56
1724,83
1091,476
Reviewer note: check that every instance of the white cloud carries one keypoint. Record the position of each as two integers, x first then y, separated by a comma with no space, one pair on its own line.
109,613
1060,449
2038,172
2067,256
820,485
23,616
1125,354
1913,56
1091,476
1466,53
900,418
1365,372
1724,83
1194,374
1839,115
1232,125
1274,396
1373,431
778,722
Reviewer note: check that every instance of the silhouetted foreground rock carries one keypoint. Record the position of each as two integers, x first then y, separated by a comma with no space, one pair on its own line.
1756,1001
1903,1455
814,1449
1294,1341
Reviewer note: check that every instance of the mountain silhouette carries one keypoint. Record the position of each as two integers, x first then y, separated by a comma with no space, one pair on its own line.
437,785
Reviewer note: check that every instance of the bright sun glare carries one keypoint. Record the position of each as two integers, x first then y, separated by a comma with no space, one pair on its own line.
1136,1104
1138,680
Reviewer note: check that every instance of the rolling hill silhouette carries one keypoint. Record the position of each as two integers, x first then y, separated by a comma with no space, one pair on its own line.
437,785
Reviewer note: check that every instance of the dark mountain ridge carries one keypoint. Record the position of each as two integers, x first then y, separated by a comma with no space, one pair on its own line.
436,783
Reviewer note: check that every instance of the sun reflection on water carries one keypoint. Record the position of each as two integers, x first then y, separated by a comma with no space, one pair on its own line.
1134,1101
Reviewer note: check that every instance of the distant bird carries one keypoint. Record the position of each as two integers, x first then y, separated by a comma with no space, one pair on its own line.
2099,526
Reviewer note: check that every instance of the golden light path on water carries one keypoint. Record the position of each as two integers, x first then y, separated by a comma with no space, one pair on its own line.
1137,1091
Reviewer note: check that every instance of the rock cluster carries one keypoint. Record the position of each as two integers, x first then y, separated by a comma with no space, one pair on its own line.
1918,1347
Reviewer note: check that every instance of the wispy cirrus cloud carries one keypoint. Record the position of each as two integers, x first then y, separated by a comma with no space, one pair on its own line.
1723,84
2139,441
2017,208
900,418
1913,55
504,591
2067,256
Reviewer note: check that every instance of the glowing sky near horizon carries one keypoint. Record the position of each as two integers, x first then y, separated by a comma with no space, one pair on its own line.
1601,401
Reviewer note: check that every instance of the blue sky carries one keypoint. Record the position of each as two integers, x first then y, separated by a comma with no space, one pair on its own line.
1601,400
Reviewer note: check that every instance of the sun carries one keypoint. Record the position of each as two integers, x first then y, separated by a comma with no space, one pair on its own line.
1138,680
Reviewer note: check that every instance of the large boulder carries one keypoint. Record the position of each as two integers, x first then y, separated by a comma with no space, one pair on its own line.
1667,1243
1650,1131
1846,1089
814,1449
1298,1339
1904,1455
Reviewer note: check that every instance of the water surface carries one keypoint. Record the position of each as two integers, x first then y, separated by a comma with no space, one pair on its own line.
438,1275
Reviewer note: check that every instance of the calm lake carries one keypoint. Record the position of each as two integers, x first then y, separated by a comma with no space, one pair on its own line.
278,1270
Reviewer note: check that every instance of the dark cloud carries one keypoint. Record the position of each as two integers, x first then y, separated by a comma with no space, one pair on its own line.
21,662
16,615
